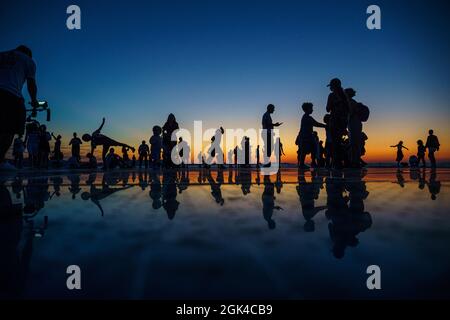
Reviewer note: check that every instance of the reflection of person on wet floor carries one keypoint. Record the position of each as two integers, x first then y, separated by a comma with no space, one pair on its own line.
155,190
96,194
400,155
307,143
346,221
215,186
169,193
143,151
434,186
337,106
400,178
15,253
169,127
308,193
99,139
74,187
268,200
268,126
75,142
432,145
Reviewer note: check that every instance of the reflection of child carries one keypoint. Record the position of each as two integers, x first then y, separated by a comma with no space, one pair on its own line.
421,152
156,145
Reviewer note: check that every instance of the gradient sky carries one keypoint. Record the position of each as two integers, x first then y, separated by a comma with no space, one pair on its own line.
222,62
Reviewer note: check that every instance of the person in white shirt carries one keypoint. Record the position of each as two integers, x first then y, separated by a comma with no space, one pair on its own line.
16,67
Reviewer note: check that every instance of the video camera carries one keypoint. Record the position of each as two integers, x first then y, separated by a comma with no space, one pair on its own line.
42,106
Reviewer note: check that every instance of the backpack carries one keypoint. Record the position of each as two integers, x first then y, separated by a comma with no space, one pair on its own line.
363,112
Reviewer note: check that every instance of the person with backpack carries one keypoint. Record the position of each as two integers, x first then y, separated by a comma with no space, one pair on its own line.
357,114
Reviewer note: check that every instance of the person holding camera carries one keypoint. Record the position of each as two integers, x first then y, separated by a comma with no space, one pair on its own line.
16,67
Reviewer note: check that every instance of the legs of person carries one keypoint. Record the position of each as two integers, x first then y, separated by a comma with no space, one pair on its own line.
432,158
141,157
146,161
6,140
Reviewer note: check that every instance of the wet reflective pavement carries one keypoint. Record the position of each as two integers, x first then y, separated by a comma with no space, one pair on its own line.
225,234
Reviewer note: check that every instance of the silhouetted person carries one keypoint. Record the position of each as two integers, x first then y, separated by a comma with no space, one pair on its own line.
143,151
421,153
16,67
337,106
307,142
75,142
364,138
268,125
328,140
268,200
125,156
169,127
184,151
280,151
315,150
99,139
215,150
32,142
112,160
432,145
18,150
44,146
258,159
57,154
355,129
156,145
400,155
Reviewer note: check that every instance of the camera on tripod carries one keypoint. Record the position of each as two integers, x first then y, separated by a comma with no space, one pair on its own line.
42,106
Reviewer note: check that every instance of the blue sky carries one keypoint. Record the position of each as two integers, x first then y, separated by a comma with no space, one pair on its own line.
223,61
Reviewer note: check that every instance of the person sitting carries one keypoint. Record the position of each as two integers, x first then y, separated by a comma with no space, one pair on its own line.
112,160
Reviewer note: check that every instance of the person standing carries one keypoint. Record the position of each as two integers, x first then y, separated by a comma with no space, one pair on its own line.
355,129
143,151
268,135
16,67
169,127
338,107
432,145
75,142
